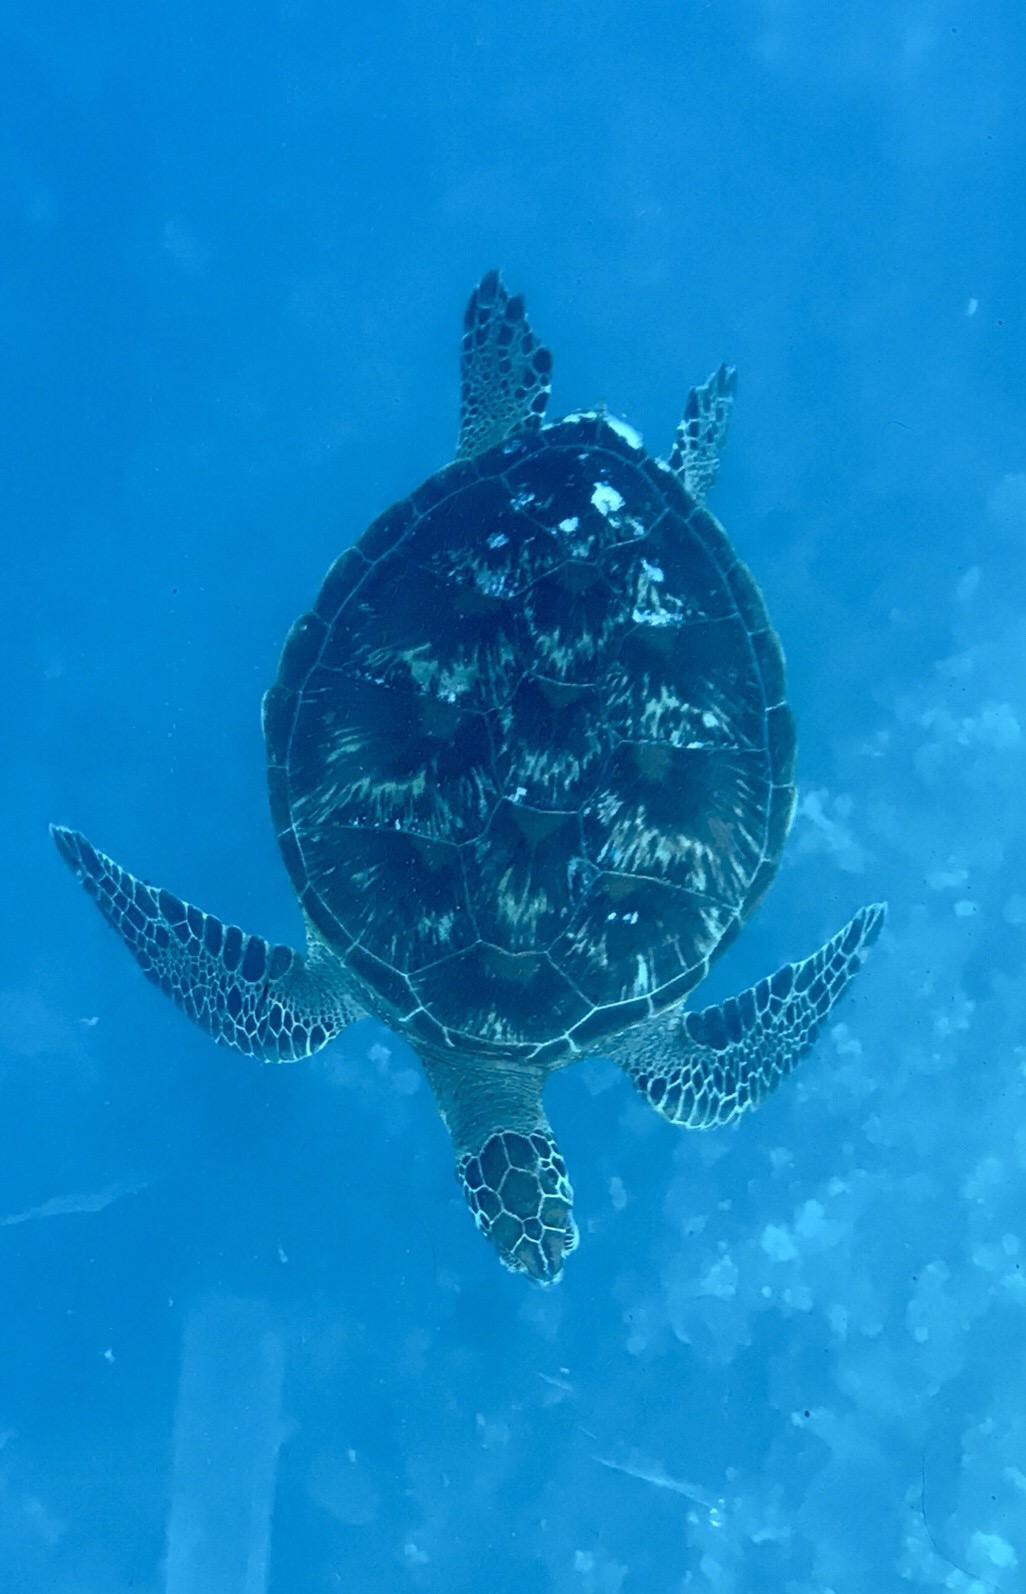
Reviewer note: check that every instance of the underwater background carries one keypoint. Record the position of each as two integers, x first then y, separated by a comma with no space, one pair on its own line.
249,1338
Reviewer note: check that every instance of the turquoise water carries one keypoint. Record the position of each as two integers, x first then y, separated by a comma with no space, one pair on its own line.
249,1339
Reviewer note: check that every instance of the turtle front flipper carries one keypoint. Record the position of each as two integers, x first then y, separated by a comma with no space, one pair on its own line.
267,1001
508,1163
707,1068
505,373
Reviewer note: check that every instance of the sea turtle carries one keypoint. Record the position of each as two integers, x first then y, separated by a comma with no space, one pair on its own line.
530,768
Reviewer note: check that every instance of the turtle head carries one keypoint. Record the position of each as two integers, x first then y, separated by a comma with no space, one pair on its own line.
517,1188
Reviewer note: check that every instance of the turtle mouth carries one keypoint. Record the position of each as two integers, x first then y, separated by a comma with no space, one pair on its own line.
541,1254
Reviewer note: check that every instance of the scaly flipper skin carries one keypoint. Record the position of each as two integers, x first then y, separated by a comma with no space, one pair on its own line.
505,373
695,456
508,1163
267,1001
707,1068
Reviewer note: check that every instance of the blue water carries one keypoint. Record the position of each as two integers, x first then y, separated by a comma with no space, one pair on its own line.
249,1338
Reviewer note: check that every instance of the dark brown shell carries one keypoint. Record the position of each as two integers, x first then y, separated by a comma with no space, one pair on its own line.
530,759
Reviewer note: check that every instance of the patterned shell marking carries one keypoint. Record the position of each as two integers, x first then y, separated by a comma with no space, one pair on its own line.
530,759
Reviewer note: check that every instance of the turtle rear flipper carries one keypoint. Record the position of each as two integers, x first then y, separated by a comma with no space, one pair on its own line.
508,1163
695,456
706,1068
505,373
267,1001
